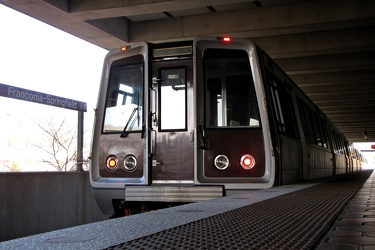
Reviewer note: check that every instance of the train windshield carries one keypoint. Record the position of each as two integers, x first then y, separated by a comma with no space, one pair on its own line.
230,93
124,104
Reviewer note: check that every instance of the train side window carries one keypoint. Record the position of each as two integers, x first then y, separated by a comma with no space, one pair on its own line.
124,102
230,99
314,127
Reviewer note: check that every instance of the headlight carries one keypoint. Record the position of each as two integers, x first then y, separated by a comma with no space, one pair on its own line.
112,163
221,162
130,163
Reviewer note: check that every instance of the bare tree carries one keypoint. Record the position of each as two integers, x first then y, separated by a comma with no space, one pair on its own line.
59,144
11,166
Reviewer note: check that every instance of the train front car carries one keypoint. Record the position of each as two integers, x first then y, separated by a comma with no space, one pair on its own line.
180,122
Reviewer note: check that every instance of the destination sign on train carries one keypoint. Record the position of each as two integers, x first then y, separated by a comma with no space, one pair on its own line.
41,98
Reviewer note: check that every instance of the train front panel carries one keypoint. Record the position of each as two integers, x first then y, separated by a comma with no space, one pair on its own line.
233,136
180,122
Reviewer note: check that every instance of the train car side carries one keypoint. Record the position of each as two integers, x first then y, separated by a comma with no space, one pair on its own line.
308,145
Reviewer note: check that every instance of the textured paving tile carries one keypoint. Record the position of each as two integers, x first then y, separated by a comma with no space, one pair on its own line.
355,226
356,241
336,246
344,233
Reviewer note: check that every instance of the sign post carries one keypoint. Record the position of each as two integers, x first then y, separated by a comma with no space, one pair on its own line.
51,100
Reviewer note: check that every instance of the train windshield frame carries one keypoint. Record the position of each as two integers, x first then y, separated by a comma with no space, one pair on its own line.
230,98
124,102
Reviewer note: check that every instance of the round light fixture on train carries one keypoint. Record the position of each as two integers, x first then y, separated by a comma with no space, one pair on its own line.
247,161
221,162
130,163
112,163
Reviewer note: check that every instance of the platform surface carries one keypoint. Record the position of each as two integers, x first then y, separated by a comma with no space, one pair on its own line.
295,216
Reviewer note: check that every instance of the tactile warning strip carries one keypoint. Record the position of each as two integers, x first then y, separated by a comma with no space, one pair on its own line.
296,220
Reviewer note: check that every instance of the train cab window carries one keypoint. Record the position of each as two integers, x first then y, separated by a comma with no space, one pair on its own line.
229,90
124,104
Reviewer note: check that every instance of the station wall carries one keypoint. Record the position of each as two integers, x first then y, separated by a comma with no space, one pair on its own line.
37,202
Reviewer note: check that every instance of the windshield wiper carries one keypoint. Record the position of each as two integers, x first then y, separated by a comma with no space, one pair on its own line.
125,132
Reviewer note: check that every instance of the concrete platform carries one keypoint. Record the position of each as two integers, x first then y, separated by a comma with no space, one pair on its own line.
119,231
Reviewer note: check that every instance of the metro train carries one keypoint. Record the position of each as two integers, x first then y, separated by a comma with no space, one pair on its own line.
186,121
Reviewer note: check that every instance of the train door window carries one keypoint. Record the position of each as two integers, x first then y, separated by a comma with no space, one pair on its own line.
323,126
340,144
318,134
307,124
277,106
124,102
335,142
282,104
172,96
230,93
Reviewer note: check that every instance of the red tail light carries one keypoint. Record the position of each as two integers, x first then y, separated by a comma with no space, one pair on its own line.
247,161
227,39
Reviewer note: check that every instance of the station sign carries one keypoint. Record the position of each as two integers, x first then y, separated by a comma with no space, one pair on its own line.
41,98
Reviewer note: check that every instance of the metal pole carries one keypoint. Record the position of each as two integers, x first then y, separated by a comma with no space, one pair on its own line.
80,142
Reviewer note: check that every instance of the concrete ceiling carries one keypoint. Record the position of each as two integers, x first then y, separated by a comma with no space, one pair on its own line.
326,46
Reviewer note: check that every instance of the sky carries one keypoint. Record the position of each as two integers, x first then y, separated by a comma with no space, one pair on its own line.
39,57
36,56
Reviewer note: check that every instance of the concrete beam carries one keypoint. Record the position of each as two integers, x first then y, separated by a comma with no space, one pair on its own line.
319,43
41,10
248,22
116,26
327,63
344,87
112,8
338,95
349,76
265,21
